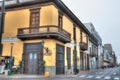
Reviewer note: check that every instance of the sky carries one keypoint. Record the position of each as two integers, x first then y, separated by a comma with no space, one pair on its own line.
105,16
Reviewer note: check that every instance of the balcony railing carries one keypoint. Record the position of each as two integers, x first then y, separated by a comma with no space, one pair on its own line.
106,60
44,32
83,46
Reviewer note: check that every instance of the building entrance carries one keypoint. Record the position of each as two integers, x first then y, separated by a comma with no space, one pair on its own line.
32,56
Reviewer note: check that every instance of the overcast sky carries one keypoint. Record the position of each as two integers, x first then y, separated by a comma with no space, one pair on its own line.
105,16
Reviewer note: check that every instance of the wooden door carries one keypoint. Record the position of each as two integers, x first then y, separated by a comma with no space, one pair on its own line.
88,62
81,61
59,59
32,63
32,56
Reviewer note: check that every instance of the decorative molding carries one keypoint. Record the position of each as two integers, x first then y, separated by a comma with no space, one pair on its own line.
10,39
72,45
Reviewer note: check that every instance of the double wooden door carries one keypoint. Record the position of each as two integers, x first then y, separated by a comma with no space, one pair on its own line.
32,57
32,62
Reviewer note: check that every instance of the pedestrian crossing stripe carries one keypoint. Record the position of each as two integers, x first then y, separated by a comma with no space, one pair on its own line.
107,78
116,78
82,76
98,77
114,73
89,77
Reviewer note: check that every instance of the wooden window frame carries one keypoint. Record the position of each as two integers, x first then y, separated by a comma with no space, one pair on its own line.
74,32
60,20
32,11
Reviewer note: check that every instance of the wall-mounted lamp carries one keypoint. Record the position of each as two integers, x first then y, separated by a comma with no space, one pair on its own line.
47,50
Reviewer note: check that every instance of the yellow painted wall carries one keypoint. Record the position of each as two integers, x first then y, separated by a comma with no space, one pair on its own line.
17,50
48,15
68,26
77,35
14,20
78,43
84,37
54,16
50,60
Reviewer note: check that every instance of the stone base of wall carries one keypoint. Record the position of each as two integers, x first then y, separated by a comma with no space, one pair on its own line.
51,70
68,71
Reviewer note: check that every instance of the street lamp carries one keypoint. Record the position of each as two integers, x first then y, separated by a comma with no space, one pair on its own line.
11,59
11,44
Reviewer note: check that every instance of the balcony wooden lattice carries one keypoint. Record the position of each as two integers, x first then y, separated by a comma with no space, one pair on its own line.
42,32
83,46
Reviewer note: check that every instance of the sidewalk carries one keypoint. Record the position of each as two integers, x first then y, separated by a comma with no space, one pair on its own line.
39,77
86,72
89,71
20,76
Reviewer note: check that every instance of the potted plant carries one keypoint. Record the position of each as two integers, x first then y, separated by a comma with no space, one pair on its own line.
19,68
42,67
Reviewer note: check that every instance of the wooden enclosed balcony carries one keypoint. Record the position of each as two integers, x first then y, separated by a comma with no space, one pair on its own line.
93,54
43,32
83,46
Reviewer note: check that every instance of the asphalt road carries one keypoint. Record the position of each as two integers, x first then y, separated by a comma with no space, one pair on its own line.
102,74
105,74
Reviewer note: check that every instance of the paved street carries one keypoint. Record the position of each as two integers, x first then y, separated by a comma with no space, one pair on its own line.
105,74
101,74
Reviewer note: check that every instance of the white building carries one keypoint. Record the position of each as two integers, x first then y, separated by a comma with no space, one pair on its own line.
95,51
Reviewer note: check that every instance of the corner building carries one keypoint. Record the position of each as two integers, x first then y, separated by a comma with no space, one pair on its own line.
45,30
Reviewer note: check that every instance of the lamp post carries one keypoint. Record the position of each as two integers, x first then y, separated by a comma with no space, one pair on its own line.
2,24
11,58
11,44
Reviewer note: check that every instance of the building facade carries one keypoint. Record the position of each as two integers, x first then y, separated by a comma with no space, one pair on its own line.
94,48
109,59
45,30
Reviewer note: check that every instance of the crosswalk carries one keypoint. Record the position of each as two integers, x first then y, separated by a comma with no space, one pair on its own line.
106,74
99,77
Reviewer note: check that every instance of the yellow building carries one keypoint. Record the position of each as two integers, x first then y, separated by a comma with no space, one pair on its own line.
45,30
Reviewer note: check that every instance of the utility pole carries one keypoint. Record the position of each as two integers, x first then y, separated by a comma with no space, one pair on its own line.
2,24
11,59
